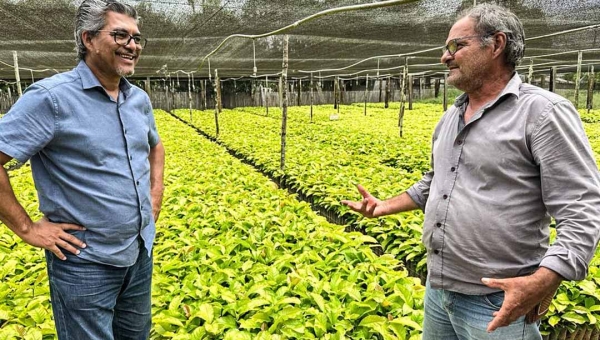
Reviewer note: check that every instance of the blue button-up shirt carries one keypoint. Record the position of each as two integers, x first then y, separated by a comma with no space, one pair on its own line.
89,157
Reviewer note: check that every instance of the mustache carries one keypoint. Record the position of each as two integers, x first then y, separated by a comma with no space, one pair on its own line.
125,50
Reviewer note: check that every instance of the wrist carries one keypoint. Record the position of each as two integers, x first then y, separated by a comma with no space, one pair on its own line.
548,277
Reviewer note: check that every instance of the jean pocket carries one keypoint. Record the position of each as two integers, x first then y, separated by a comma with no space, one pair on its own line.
494,300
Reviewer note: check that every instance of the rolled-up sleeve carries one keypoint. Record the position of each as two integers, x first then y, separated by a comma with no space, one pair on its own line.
29,125
570,189
419,192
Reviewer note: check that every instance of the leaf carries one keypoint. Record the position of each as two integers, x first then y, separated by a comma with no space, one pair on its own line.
371,320
574,318
206,312
318,299
406,321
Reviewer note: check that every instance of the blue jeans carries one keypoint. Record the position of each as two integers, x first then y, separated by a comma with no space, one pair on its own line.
93,301
455,316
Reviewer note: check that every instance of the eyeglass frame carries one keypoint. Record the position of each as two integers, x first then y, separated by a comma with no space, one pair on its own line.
446,48
142,41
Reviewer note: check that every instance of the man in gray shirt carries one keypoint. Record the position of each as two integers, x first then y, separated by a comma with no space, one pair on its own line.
506,158
97,163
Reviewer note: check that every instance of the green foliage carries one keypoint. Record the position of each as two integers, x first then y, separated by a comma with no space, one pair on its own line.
326,158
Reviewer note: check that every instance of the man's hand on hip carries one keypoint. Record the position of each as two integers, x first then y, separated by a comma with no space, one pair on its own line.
521,294
51,236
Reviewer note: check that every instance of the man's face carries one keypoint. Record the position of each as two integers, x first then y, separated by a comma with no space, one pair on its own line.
107,56
470,62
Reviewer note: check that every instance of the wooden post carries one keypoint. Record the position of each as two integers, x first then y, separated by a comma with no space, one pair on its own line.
147,86
219,103
421,89
590,92
286,39
17,74
299,92
366,92
410,92
235,94
578,78
280,92
172,94
336,93
552,86
252,92
217,92
445,92
203,94
530,74
342,87
387,92
167,96
190,96
267,95
404,75
542,81
311,97
380,89
436,87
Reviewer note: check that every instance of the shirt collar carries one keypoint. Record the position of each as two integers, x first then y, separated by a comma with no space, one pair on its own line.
89,80
512,87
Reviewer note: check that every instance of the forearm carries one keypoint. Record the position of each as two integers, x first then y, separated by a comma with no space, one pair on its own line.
11,212
157,165
400,203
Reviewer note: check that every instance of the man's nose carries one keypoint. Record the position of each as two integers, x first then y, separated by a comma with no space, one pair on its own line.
445,57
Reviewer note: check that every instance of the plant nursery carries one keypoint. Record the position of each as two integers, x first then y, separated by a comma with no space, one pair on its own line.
271,112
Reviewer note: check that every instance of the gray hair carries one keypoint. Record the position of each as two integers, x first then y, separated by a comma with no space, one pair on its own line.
91,18
489,19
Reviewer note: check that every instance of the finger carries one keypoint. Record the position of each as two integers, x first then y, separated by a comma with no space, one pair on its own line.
371,209
364,205
56,251
69,226
68,247
363,191
73,240
352,205
501,319
494,283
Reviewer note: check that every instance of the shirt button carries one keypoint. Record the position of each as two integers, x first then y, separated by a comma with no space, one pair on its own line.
452,169
438,224
436,251
445,197
137,183
125,131
130,158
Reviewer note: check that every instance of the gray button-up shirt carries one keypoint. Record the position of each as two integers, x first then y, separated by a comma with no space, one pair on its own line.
89,157
494,184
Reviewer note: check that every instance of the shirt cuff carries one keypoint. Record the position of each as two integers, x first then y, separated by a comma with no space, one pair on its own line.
417,196
565,263
13,152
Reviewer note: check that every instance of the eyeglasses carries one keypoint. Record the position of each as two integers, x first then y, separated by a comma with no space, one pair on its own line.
123,38
453,45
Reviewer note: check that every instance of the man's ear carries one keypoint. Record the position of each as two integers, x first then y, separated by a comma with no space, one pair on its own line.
86,37
499,43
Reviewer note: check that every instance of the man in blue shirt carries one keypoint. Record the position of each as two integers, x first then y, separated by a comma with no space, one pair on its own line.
97,162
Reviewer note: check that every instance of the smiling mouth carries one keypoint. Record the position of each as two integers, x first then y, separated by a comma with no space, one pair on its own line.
127,56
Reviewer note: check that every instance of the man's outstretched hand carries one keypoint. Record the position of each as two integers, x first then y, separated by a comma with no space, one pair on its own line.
369,206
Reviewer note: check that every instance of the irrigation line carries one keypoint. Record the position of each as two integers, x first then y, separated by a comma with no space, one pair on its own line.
564,32
562,53
307,19
28,69
439,48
